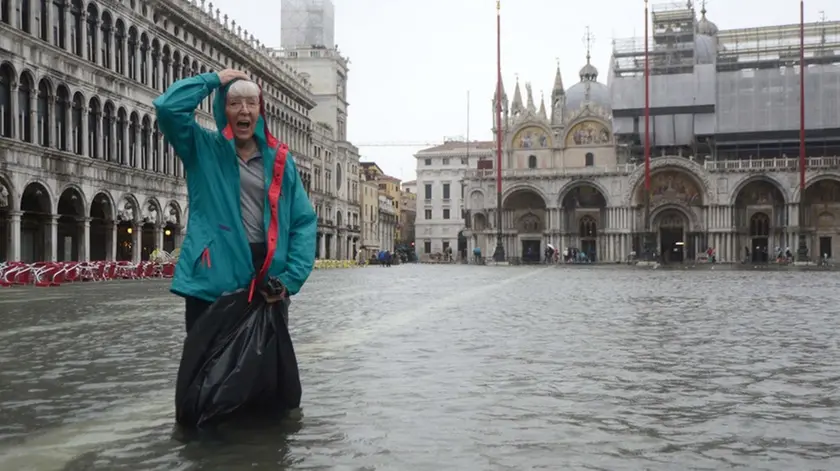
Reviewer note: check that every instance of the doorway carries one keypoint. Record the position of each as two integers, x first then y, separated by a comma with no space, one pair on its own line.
589,247
760,249
760,238
825,247
531,251
671,244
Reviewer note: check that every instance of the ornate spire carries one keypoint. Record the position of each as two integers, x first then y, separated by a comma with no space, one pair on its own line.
588,73
558,82
589,38
542,113
516,105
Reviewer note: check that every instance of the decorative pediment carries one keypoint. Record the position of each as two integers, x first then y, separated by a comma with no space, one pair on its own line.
589,110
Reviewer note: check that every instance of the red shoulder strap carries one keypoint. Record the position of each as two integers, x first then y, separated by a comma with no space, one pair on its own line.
275,189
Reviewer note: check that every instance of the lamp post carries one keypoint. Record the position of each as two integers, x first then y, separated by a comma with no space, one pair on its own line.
648,243
499,253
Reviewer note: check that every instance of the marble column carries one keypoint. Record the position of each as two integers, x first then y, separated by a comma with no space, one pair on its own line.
84,242
83,129
158,237
14,236
136,242
112,250
322,246
52,225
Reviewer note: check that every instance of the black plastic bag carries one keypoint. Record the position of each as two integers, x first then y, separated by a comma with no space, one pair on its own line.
238,360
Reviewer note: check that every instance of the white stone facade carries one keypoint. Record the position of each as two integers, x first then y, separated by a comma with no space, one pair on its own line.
439,205
387,223
84,173
336,197
724,205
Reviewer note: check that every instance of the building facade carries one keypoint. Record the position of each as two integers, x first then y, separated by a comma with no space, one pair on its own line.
407,215
337,199
370,218
85,174
724,135
441,173
387,222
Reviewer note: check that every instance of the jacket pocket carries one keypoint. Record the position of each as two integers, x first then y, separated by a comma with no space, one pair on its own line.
202,265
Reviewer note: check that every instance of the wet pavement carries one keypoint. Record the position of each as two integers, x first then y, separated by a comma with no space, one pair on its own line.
449,367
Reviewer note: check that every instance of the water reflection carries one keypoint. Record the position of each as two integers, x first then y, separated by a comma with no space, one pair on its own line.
449,367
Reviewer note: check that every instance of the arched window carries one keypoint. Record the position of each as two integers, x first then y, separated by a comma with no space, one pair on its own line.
588,227
759,225
590,159
532,161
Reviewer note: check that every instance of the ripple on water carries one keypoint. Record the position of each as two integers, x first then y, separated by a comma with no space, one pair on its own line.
450,367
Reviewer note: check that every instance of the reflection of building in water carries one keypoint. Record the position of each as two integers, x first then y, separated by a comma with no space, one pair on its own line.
724,132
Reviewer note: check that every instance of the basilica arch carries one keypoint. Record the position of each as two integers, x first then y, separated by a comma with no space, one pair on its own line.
759,217
677,197
677,232
524,219
822,215
582,212
531,136
688,171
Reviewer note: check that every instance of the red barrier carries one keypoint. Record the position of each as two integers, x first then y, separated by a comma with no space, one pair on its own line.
49,274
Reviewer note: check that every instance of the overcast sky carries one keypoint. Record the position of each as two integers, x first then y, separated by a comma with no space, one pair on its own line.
412,62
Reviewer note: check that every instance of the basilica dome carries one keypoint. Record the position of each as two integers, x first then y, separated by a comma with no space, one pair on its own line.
588,90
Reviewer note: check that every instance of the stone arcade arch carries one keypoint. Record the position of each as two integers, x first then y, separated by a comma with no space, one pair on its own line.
582,209
71,220
523,224
128,234
151,230
35,223
760,219
172,226
102,227
822,216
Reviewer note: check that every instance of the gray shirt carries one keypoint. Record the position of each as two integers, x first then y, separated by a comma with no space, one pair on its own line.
252,197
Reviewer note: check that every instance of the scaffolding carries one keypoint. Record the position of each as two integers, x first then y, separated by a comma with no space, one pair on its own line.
671,44
773,47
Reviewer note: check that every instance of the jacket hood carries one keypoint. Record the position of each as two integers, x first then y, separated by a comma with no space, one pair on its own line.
261,131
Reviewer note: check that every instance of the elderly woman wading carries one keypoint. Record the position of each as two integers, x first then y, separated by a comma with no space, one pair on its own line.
249,212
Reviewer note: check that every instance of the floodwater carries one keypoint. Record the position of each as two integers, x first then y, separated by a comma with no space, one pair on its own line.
449,368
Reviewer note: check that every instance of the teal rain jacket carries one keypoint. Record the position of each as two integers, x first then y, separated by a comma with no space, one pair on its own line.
215,256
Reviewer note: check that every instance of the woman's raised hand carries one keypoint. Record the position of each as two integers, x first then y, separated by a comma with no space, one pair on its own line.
228,75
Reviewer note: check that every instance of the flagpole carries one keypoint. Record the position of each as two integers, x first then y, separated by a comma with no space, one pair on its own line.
648,237
499,254
802,251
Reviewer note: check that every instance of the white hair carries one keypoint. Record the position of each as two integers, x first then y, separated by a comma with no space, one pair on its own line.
243,89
